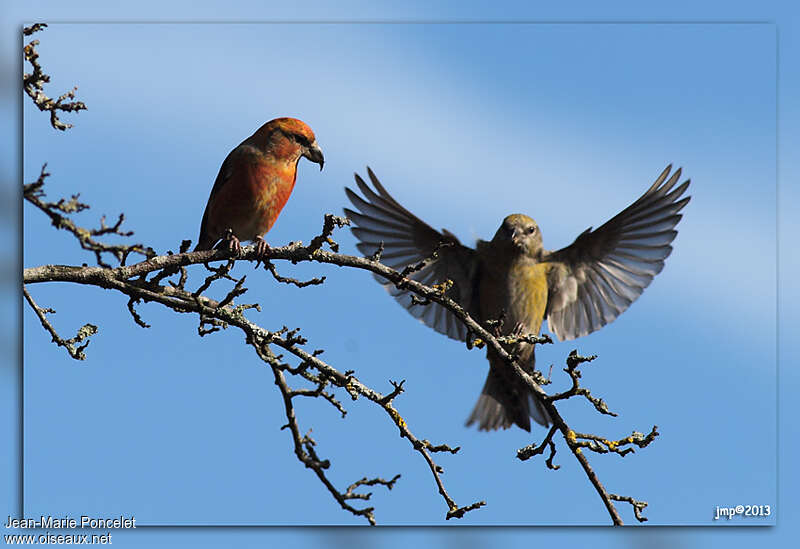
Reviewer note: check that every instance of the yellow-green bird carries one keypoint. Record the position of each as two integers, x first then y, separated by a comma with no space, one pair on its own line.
579,289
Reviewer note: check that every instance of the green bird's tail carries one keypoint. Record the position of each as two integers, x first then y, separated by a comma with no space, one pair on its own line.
506,400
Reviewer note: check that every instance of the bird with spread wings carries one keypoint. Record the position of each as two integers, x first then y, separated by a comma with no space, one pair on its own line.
578,289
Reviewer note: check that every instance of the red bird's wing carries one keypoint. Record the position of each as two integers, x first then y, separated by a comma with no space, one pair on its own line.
594,279
406,241
236,199
207,239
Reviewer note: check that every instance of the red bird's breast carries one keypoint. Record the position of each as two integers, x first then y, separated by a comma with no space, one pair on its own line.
252,198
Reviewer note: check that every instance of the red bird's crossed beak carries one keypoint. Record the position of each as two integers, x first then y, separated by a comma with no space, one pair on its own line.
314,154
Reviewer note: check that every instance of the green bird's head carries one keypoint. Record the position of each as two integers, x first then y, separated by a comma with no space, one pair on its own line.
521,234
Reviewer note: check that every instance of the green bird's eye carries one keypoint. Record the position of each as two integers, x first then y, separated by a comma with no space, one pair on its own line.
531,230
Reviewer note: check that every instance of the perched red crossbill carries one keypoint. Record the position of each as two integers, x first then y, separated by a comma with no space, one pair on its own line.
255,182
579,289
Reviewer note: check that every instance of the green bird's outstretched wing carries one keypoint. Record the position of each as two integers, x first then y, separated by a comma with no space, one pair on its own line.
594,279
407,240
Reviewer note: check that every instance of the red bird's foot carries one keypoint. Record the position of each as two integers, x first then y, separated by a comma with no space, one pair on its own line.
233,244
262,249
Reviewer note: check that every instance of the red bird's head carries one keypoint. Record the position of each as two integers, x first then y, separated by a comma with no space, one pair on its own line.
288,138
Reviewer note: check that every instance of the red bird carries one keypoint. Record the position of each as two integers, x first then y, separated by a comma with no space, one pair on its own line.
255,182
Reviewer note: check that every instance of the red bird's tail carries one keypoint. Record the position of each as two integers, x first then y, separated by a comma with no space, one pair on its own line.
203,244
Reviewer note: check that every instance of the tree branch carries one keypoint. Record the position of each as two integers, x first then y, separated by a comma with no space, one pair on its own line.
84,332
128,279
33,84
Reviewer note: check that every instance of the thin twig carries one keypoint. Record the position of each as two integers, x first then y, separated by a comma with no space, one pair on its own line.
84,332
33,84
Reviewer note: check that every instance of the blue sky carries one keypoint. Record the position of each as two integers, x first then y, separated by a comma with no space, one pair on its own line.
463,124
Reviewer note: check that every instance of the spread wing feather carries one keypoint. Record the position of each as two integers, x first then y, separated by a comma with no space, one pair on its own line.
408,240
598,276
